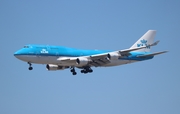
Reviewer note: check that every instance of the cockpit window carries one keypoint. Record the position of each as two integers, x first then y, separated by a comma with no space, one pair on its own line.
26,46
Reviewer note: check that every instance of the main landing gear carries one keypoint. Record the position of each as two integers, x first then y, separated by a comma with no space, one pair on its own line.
30,66
85,70
73,71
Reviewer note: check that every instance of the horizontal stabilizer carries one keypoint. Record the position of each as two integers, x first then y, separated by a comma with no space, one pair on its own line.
126,51
155,43
149,55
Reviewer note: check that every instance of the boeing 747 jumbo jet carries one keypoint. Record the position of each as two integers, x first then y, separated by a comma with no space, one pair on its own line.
60,58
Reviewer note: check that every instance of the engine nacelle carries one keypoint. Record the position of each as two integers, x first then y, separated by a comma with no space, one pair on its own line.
82,61
113,56
54,67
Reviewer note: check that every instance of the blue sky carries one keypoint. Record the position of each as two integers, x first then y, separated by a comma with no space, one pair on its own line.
150,87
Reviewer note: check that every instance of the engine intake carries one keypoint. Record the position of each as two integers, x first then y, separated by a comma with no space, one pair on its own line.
113,56
55,67
82,61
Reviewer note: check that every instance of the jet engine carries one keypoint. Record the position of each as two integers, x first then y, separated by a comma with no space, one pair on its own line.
54,67
113,56
82,61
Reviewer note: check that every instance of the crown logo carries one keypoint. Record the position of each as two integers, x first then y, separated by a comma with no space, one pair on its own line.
143,43
44,51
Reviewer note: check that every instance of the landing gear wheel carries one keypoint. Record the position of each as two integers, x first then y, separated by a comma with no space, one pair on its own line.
72,70
82,71
90,71
74,73
30,68
86,70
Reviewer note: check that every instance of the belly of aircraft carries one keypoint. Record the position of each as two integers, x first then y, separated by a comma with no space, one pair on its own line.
53,60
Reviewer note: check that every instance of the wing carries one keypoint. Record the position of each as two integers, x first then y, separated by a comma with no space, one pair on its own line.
94,60
99,59
67,60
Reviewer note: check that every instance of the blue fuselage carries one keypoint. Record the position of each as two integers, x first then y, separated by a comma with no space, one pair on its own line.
44,54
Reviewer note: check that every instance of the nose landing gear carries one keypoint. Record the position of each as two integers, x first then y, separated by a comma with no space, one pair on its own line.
30,66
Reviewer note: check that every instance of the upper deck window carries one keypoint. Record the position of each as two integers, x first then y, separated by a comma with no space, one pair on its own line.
26,46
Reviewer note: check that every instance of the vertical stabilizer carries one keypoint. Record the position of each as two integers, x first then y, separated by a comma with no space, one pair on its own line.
145,40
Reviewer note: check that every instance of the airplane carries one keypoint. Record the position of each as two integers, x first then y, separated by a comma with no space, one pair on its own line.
60,57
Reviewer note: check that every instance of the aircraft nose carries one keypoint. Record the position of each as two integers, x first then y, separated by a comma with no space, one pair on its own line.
16,53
